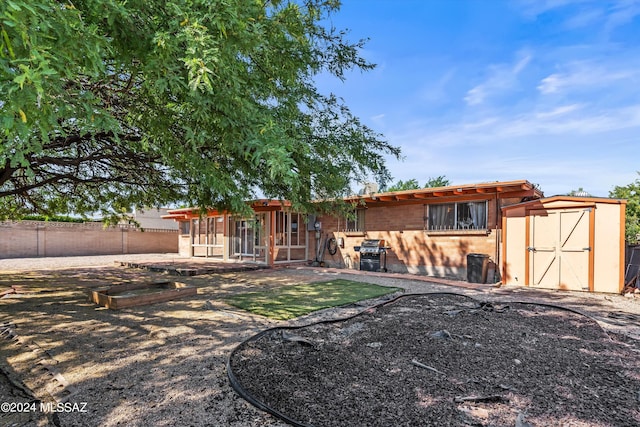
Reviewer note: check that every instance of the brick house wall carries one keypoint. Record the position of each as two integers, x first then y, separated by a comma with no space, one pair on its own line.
401,220
412,249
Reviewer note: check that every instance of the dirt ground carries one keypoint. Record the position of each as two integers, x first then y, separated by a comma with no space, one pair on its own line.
164,364
450,360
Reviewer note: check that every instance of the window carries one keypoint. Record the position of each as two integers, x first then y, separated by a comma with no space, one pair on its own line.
208,231
282,226
295,232
288,229
355,222
215,230
199,231
184,227
457,216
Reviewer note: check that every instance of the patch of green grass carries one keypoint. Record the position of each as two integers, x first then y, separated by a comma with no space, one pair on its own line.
292,301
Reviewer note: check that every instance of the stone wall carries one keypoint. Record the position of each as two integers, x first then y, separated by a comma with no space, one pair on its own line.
24,239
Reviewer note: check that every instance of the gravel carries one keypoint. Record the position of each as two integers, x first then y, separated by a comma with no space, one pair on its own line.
54,263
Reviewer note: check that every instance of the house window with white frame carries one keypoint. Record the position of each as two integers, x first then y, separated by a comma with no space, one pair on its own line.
355,221
457,216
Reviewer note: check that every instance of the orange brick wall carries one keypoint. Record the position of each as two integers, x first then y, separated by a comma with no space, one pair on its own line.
412,249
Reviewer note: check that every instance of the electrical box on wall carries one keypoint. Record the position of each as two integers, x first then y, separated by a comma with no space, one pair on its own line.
311,221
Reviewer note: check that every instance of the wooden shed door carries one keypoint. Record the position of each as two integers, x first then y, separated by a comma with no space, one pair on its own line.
559,249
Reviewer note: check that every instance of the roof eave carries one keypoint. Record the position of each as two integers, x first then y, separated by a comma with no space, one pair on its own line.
522,187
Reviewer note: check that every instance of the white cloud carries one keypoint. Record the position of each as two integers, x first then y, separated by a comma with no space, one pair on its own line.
533,8
521,64
572,122
558,111
623,12
584,75
584,18
476,95
436,91
502,77
378,119
606,15
586,123
561,149
551,83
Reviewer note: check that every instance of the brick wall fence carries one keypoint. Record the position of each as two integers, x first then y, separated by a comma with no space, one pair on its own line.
24,239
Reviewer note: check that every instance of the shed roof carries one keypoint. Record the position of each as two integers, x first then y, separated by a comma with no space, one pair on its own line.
560,198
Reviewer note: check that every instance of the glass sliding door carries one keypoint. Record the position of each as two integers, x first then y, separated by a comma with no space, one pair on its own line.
243,237
250,238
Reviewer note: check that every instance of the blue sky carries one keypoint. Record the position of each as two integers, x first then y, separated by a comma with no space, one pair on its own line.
491,90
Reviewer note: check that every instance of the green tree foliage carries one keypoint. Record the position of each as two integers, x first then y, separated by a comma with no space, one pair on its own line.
401,185
438,181
630,192
52,218
105,104
412,184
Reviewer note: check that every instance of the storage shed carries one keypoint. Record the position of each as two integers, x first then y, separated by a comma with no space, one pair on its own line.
563,242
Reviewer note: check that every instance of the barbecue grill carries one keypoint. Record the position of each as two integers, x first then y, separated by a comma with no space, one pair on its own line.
373,255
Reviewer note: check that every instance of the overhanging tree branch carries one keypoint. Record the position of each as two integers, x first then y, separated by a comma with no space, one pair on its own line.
200,104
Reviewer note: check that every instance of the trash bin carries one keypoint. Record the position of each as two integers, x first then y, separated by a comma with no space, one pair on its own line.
477,265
